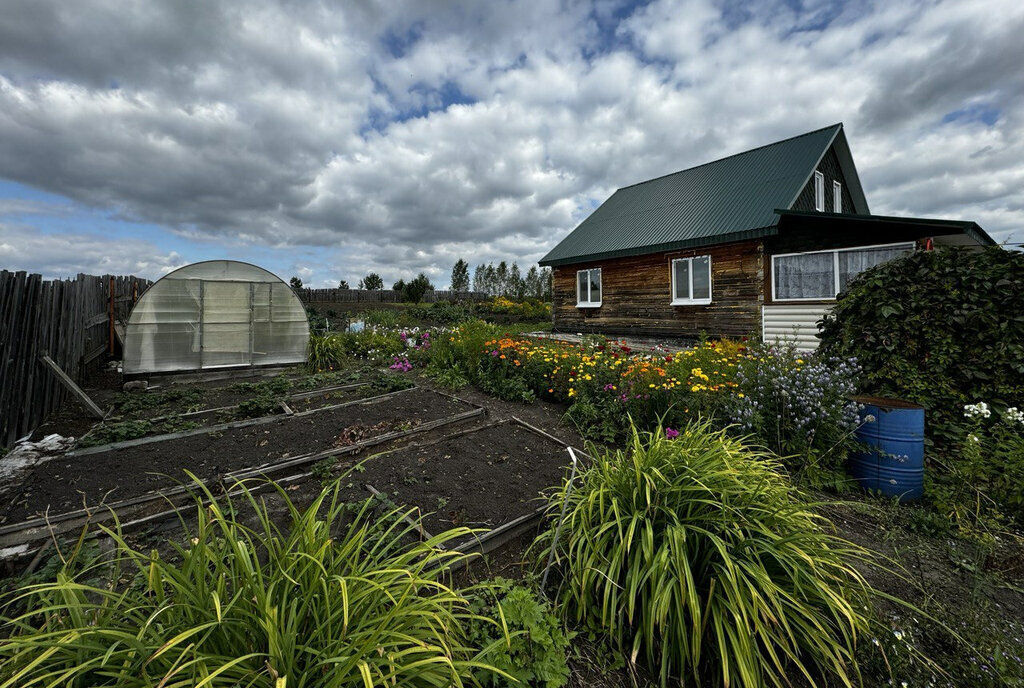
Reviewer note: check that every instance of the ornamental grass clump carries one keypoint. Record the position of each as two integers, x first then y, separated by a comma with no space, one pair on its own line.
697,556
315,604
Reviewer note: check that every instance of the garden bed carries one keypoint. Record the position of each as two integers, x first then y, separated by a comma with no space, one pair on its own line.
483,478
245,402
65,483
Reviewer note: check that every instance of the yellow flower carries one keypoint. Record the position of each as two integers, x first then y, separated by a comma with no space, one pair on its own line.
572,392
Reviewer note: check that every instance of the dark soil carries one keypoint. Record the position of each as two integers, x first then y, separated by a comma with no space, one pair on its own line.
478,480
541,414
62,484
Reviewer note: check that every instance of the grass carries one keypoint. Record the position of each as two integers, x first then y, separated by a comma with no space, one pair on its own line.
246,603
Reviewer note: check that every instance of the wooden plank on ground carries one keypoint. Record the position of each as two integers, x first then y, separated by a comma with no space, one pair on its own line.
72,387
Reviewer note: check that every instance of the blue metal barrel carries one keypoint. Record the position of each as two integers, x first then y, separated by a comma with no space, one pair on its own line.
891,460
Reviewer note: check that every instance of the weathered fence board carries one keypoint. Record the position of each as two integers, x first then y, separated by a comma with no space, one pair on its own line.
67,319
309,296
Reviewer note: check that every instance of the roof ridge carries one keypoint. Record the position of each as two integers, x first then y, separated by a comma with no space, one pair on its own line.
727,157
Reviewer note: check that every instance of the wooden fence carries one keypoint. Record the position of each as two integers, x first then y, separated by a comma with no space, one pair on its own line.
383,295
71,320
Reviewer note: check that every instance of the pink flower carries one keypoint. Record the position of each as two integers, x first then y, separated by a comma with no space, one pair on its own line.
671,434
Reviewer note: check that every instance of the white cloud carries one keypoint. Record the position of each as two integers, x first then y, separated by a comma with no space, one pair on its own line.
66,254
344,127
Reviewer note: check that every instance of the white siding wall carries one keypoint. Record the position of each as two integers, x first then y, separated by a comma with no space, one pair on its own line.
797,323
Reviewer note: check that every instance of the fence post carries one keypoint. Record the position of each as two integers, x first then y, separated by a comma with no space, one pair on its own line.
110,296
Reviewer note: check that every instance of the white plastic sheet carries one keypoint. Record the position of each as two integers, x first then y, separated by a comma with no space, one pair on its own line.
215,314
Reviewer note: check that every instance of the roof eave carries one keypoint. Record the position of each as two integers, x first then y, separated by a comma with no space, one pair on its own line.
744,235
968,227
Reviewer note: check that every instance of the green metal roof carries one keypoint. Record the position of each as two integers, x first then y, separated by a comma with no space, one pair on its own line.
726,200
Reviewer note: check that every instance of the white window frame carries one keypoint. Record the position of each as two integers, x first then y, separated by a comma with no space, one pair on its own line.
837,197
835,267
691,301
580,303
819,191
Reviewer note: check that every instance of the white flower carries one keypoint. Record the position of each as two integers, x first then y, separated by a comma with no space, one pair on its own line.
869,418
1013,415
973,438
979,409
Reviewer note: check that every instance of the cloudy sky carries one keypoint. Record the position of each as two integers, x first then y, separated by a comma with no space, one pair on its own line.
328,139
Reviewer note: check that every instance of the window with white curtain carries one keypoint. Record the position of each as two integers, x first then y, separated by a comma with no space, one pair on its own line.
852,263
588,288
819,191
821,275
691,280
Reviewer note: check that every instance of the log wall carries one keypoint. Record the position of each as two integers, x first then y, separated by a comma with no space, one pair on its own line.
636,298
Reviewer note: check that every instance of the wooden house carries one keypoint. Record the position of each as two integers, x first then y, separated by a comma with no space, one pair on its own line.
760,242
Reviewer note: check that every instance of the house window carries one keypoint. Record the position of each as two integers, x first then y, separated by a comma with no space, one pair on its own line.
691,280
588,288
821,275
837,197
819,191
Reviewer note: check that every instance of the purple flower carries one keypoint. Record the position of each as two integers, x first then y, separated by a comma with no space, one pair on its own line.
671,434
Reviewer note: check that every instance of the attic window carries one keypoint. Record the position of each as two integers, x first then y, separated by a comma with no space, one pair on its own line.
691,280
588,288
837,197
819,191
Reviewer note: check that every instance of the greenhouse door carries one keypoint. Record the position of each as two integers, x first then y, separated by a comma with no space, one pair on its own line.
226,325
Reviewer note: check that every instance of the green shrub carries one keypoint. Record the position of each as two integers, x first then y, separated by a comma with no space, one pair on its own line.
696,555
526,637
248,605
939,328
943,329
528,309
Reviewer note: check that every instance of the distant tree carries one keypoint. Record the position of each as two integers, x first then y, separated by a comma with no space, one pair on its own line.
415,289
343,284
480,278
515,282
399,285
501,275
372,281
460,276
491,280
531,284
295,282
546,283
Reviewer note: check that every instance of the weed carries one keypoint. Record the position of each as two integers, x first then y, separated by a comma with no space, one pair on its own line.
323,470
116,432
535,653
